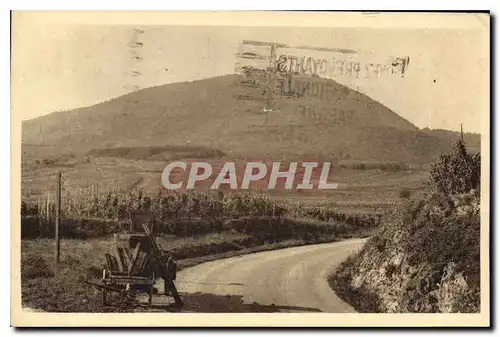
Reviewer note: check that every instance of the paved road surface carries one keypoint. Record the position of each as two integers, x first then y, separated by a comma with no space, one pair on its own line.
286,280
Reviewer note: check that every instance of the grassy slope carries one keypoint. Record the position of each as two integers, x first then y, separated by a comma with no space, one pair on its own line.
473,140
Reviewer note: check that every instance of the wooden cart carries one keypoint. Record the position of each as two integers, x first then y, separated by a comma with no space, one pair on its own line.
135,265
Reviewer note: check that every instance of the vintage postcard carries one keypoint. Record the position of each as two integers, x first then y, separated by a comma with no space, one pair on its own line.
250,169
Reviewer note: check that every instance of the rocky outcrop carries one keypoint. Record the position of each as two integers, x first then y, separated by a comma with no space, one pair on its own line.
425,258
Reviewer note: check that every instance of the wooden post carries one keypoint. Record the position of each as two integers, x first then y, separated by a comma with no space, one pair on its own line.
58,213
272,80
47,208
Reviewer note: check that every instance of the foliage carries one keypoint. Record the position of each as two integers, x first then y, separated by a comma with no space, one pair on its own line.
404,193
456,172
437,233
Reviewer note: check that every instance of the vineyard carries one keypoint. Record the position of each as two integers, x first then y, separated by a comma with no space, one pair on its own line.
93,214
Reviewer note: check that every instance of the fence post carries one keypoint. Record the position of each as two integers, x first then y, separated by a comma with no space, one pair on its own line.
47,208
272,80
58,213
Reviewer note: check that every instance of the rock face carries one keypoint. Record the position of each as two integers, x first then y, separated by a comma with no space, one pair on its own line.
424,259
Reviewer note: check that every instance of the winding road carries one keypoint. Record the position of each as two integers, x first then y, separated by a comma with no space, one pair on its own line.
286,280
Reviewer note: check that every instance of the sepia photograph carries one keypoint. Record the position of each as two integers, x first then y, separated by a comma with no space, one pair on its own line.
332,169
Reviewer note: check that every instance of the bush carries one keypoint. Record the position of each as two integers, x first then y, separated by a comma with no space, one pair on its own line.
456,172
438,234
49,161
405,193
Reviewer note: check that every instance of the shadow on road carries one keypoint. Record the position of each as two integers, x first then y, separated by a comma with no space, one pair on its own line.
205,302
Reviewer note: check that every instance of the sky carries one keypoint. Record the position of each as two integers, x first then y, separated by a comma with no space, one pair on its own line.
66,66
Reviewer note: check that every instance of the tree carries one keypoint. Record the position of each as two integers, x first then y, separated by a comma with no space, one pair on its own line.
456,172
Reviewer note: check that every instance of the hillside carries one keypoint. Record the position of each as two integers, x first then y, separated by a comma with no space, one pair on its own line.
426,255
473,140
224,116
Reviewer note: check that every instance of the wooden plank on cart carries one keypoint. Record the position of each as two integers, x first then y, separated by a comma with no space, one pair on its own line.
124,253
111,262
119,259
169,283
133,262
